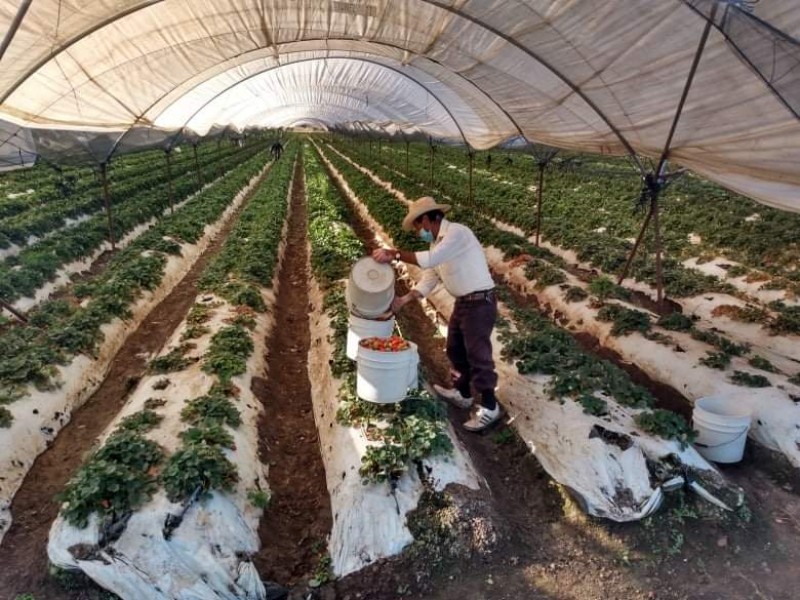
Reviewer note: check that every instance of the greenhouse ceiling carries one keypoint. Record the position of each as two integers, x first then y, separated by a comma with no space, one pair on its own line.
92,77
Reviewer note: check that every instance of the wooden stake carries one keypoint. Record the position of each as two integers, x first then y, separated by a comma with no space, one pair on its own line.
539,202
471,164
169,183
107,203
13,311
197,168
635,247
659,274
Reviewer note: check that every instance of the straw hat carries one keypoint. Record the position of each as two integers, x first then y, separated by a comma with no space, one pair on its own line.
419,207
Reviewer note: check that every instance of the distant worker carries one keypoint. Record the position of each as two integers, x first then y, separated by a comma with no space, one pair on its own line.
276,149
457,260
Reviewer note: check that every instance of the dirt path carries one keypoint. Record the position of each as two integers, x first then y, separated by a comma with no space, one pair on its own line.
23,555
296,524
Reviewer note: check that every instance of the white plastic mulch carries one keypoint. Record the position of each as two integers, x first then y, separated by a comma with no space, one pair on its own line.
40,415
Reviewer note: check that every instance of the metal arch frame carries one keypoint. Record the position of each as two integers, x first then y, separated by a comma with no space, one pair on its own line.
360,59
568,82
12,29
383,44
74,40
436,3
720,27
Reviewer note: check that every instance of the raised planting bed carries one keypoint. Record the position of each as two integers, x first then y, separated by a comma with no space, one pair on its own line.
57,361
38,270
191,528
379,459
591,426
697,361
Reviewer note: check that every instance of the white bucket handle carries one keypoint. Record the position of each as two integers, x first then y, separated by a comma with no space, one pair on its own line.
743,432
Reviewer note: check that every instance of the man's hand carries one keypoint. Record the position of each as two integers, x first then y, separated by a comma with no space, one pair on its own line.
383,255
400,301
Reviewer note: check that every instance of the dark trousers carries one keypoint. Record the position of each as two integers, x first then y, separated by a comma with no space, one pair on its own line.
469,347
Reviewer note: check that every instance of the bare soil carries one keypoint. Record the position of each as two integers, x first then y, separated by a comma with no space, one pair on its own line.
295,527
23,556
546,548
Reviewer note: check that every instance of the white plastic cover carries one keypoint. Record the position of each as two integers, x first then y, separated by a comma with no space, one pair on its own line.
596,76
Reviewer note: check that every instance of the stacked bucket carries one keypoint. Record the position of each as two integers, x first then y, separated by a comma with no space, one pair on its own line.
383,375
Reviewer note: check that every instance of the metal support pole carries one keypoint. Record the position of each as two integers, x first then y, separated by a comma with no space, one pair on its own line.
197,168
107,203
471,155
431,162
219,158
13,311
539,201
639,239
663,161
169,183
659,274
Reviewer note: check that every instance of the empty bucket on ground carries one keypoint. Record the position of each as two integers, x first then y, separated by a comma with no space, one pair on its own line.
385,377
370,288
721,424
364,328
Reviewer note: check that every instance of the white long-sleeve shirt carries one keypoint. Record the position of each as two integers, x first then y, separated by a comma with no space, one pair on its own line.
456,259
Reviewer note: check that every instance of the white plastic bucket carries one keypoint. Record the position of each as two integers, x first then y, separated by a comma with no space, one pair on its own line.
364,328
370,288
721,424
385,377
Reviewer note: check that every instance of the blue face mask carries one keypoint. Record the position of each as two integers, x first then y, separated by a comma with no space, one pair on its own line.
425,235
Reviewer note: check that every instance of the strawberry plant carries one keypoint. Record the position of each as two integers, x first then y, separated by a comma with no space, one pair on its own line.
214,407
209,432
174,360
259,498
626,320
676,322
228,352
750,380
716,360
142,421
194,331
575,294
666,424
592,405
5,417
759,362
116,479
197,466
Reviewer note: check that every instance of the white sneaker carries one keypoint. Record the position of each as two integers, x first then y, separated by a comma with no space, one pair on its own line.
453,396
483,418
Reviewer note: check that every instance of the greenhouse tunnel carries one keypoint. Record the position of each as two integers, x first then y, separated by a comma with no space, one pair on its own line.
582,76
171,289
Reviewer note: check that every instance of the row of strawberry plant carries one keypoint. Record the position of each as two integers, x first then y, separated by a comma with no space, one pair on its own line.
538,346
60,329
199,465
595,195
84,200
603,289
401,433
43,184
594,216
22,275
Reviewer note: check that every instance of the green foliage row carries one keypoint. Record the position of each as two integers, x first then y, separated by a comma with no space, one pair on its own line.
85,198
537,346
60,329
249,258
410,430
23,274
